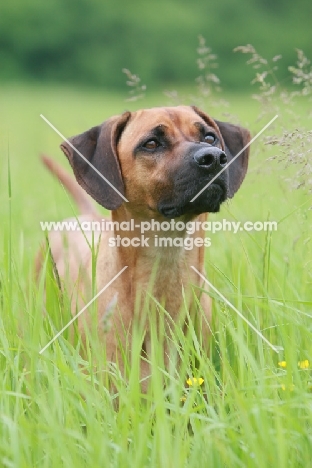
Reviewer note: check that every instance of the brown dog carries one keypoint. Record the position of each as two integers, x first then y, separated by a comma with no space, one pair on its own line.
159,159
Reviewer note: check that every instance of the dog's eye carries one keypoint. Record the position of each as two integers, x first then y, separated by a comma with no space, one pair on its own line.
209,138
151,144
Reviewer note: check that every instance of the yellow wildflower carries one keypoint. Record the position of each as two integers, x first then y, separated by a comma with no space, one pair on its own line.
304,364
291,387
194,382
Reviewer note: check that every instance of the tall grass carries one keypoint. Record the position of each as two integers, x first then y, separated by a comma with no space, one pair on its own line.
56,408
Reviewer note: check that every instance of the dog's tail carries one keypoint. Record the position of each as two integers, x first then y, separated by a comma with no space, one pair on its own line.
81,198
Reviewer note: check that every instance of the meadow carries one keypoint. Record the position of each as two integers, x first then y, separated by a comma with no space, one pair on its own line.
245,405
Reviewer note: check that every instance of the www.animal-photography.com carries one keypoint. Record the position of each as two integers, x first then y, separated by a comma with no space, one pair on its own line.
156,252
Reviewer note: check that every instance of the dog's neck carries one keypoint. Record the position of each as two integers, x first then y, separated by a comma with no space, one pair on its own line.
158,236
166,265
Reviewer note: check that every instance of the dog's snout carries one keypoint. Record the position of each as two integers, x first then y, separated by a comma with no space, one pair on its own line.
210,158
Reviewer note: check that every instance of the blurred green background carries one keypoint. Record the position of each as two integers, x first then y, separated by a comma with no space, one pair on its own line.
91,41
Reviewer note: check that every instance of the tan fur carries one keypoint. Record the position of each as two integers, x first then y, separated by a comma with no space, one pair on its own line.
164,272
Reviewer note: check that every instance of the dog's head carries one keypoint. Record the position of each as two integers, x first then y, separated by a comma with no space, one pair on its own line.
167,162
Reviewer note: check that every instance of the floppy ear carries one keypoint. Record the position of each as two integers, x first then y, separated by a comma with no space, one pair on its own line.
99,147
235,139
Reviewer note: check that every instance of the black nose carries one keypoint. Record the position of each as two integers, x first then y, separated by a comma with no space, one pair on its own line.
210,158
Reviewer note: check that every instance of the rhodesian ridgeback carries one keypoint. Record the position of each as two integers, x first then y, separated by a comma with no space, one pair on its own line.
157,159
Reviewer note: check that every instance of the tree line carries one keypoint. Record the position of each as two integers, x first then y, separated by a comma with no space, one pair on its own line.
91,41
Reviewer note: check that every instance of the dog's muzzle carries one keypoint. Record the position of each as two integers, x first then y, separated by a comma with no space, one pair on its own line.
202,165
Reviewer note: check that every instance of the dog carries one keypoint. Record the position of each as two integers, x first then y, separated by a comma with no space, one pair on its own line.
158,160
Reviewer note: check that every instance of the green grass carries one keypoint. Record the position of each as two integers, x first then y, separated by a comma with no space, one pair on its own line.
55,409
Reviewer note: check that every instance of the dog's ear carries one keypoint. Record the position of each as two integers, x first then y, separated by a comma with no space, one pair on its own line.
98,146
235,139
